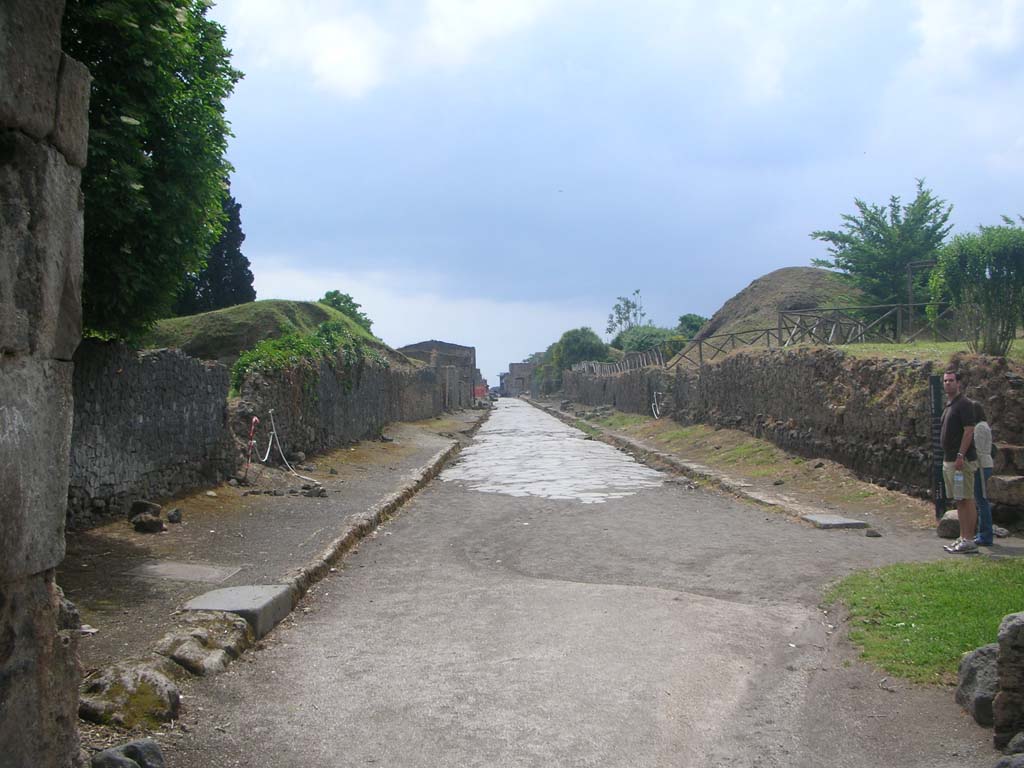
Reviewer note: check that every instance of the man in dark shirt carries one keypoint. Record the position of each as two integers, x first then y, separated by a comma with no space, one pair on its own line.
959,456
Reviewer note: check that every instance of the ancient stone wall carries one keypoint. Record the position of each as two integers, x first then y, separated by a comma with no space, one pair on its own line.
147,424
871,415
630,391
320,409
44,100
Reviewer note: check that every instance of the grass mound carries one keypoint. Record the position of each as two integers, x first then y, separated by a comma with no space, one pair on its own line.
225,333
790,288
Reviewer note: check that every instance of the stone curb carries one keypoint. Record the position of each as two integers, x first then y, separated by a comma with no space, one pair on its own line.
364,524
661,460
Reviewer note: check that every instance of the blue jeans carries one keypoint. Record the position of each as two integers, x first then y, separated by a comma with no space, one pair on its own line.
984,508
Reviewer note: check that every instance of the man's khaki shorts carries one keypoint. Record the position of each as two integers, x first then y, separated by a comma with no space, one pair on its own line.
948,468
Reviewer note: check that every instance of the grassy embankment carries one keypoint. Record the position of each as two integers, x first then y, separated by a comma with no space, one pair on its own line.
271,334
225,333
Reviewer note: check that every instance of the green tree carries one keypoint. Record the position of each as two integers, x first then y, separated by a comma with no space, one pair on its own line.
877,243
626,313
347,305
154,183
573,347
641,338
578,345
982,275
226,279
689,324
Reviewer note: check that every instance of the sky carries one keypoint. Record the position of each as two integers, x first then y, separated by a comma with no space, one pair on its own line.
495,172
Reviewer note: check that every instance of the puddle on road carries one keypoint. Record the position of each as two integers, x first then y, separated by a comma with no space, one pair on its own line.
521,451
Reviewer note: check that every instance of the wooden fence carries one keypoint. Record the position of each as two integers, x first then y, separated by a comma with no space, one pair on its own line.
828,326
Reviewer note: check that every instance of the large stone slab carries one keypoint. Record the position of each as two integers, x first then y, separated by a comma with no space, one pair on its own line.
1006,489
833,521
41,230
38,676
263,605
29,63
175,571
71,127
35,438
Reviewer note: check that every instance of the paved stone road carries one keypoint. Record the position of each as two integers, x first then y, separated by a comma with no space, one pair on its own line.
551,603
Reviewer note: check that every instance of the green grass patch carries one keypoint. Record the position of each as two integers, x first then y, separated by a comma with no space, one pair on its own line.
583,426
914,620
680,435
753,453
938,352
618,420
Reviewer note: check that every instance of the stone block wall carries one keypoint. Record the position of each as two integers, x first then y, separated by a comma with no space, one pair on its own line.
319,409
870,415
630,391
147,424
44,100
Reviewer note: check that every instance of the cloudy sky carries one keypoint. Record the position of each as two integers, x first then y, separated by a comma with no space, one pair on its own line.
495,172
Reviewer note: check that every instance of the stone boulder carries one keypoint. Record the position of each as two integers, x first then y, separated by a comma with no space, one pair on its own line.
207,641
949,525
1016,745
1011,761
147,523
130,693
1008,706
144,753
978,683
142,507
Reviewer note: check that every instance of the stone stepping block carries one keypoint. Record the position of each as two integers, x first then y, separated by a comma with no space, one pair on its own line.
262,605
833,521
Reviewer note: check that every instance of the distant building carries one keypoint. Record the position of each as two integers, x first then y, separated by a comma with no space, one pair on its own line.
518,380
456,364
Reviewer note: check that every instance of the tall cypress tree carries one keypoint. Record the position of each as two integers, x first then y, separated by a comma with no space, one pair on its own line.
226,280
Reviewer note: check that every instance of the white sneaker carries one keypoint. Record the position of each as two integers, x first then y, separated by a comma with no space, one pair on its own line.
964,547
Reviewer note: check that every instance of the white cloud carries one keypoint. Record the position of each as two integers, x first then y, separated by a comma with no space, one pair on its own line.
954,32
454,30
350,52
959,89
501,331
346,53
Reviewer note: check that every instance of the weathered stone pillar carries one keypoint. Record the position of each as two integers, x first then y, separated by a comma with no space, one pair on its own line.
44,99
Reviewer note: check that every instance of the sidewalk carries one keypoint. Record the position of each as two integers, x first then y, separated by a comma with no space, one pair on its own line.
128,586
